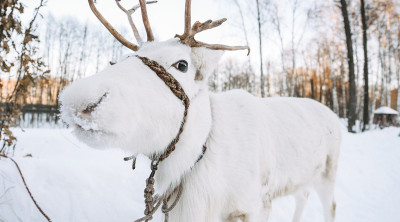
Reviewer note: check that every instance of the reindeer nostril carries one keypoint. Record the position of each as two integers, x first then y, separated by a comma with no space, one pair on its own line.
91,107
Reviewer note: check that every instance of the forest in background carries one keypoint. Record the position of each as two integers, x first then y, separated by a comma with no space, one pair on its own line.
310,41
345,54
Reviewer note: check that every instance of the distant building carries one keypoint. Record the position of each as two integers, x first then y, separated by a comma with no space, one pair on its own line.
385,116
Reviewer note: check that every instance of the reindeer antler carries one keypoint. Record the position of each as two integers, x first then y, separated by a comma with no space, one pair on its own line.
187,37
146,22
129,13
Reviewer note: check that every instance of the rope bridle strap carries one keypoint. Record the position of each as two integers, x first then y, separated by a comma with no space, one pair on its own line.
152,202
178,91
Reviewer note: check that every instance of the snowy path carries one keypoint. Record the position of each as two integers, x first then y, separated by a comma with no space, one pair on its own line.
72,182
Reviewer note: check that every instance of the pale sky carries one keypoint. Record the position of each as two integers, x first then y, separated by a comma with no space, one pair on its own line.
166,16
167,19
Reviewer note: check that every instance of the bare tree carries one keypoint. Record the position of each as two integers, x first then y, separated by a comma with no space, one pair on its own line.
397,61
352,88
292,84
276,21
331,49
356,34
365,47
262,79
389,13
246,37
333,79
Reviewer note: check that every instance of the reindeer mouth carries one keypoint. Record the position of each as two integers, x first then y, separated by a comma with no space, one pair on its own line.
93,131
96,138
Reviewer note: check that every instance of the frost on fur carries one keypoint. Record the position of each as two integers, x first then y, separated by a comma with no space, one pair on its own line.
258,149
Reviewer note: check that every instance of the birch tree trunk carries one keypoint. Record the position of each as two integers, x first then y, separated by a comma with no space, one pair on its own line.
388,78
82,58
373,105
333,79
292,82
262,79
389,9
383,72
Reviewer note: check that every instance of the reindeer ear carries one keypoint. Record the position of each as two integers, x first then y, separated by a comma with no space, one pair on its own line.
205,61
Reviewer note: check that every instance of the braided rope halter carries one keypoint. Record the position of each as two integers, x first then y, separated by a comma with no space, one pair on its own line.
187,38
152,202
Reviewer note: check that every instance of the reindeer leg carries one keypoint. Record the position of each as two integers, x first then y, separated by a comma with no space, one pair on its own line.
325,187
301,198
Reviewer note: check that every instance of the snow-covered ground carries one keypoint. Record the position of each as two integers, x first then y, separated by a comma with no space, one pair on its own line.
72,182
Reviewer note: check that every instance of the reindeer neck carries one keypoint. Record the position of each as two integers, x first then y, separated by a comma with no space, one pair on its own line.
198,125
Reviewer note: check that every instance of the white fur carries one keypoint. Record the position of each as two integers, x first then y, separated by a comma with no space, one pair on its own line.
258,149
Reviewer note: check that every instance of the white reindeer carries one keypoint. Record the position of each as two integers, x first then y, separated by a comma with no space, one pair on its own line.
257,149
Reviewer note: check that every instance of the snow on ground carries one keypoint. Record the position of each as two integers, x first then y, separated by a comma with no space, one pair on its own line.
72,182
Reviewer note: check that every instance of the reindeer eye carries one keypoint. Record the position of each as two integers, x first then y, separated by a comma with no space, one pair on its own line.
181,65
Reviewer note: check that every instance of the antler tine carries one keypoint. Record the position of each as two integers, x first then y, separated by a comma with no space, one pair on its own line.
188,17
111,29
146,22
209,24
133,9
187,37
129,15
225,47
